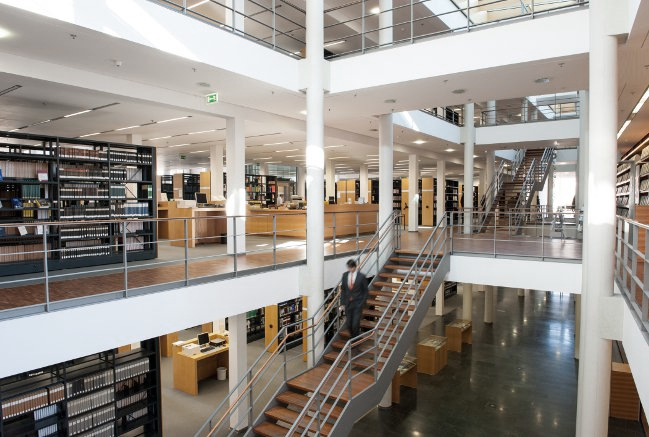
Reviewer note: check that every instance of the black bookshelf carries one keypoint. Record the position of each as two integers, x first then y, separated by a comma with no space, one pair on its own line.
374,191
450,289
255,324
167,186
46,179
290,312
191,186
107,393
396,195
261,189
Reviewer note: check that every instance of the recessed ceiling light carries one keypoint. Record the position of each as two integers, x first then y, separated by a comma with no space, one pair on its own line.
419,142
276,144
159,138
174,119
623,128
641,103
450,150
261,158
179,145
542,80
286,150
303,112
475,156
294,156
375,10
202,132
203,84
340,157
4,33
199,151
127,127
459,91
334,147
77,113
90,135
390,101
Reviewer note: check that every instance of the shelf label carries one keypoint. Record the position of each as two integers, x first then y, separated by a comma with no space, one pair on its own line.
212,98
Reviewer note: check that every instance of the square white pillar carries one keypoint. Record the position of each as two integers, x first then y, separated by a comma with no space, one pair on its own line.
236,200
413,193
216,171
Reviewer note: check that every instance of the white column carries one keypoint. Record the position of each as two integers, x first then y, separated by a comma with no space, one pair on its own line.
134,139
235,149
237,366
386,161
593,395
490,166
489,304
234,15
385,23
491,114
582,163
413,193
467,301
469,144
550,191
315,167
216,170
441,189
439,301
330,175
386,400
364,180
299,181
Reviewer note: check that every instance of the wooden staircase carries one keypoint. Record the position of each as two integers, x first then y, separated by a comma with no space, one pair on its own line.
290,402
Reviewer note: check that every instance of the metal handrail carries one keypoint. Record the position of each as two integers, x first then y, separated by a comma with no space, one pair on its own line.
563,111
487,201
526,191
416,270
282,336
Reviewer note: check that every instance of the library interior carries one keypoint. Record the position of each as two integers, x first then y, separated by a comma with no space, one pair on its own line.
190,189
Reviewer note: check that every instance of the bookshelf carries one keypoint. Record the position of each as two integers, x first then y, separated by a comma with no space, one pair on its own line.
283,314
104,394
452,196
261,189
255,321
185,185
167,186
396,195
476,198
46,179
374,191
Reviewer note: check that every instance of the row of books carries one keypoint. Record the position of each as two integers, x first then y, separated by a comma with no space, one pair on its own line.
84,231
103,431
49,430
130,370
35,400
45,412
103,155
91,401
85,212
84,251
20,169
134,243
90,382
91,420
138,397
83,191
91,172
21,252
31,191
131,209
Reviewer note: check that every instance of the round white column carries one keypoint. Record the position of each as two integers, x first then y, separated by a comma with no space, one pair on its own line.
441,189
413,193
469,149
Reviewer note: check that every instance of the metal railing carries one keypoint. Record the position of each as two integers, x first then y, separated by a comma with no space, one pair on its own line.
381,339
453,115
632,267
123,257
358,26
269,372
529,113
488,198
528,233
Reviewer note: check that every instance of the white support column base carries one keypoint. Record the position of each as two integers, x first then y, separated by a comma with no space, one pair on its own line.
386,400
238,365
439,301
489,304
467,302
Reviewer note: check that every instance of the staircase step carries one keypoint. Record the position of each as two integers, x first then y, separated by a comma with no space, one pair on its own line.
368,324
409,261
407,252
308,382
289,416
385,303
391,275
382,293
363,362
270,429
372,313
299,401
340,344
396,284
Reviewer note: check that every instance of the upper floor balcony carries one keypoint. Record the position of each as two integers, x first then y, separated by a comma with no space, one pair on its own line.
359,26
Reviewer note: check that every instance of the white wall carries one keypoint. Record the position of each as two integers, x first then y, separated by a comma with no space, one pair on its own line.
637,351
517,273
429,125
524,132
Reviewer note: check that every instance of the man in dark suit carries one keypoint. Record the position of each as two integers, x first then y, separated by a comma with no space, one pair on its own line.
353,293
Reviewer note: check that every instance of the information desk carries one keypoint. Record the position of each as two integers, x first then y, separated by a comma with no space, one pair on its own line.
406,376
432,355
189,370
291,223
208,230
458,332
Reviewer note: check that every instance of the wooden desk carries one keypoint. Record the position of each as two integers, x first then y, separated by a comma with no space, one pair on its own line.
432,355
205,231
405,376
189,370
458,332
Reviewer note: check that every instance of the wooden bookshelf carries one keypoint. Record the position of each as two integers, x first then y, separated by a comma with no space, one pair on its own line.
46,179
110,393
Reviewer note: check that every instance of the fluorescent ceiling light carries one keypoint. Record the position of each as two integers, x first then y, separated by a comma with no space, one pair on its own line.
200,132
4,33
419,142
159,138
375,10
334,43
276,144
173,119
273,162
199,151
286,150
623,128
87,135
299,160
334,147
127,127
257,159
294,156
77,113
450,150
404,160
340,157
642,101
303,112
178,145
195,5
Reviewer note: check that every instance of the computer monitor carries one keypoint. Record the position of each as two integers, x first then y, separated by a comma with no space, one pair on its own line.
201,198
203,339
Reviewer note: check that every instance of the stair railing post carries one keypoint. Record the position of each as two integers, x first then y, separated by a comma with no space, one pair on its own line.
542,240
285,364
186,252
376,357
234,242
357,230
45,270
495,226
274,241
250,400
349,365
125,259
334,232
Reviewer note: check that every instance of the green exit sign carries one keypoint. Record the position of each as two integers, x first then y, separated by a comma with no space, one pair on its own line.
212,98
182,157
